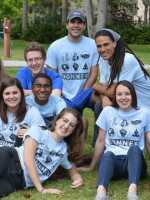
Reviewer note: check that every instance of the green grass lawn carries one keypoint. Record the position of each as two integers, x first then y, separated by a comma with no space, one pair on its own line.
142,51
117,189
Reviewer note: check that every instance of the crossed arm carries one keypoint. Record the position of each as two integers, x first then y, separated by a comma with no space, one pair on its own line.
92,78
101,91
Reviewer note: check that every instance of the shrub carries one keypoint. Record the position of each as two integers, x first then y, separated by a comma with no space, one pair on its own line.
131,32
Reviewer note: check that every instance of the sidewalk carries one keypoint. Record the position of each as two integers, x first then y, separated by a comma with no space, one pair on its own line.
8,63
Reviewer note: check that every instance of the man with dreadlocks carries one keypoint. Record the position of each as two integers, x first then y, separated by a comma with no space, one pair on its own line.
118,62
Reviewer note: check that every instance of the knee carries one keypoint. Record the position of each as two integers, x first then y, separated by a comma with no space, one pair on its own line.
98,105
109,155
134,149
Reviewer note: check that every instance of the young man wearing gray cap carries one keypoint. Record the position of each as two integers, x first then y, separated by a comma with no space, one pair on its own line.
74,57
118,62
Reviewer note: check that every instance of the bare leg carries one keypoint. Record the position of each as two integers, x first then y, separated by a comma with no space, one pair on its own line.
101,190
132,188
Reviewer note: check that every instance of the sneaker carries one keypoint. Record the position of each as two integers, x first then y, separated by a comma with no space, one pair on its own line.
102,196
132,196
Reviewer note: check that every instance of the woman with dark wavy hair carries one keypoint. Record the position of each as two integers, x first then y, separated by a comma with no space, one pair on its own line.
42,152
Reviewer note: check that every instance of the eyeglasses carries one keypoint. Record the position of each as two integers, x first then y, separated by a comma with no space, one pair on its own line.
34,59
46,87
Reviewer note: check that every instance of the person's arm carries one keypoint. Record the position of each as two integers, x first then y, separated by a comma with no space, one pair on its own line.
57,82
76,178
56,92
30,146
147,142
98,150
102,89
92,78
51,68
27,92
22,77
22,131
105,101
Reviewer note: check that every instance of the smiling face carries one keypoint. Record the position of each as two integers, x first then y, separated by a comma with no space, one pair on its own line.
12,98
35,62
105,48
75,29
65,126
123,98
42,89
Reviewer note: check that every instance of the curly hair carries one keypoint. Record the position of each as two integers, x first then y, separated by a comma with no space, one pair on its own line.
74,141
34,46
118,57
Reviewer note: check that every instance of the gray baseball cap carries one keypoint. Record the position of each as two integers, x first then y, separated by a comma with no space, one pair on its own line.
76,14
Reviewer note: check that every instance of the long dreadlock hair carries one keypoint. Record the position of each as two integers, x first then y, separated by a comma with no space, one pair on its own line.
118,57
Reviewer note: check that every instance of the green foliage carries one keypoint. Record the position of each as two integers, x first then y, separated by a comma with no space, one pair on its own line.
16,30
130,5
132,33
45,32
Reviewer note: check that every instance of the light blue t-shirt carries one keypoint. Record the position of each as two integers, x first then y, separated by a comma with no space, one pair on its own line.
48,111
130,71
8,131
73,61
49,155
124,129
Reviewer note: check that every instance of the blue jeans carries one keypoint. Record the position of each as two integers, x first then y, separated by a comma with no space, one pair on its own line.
97,110
133,166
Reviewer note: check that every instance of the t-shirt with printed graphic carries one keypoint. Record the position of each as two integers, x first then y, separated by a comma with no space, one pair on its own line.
124,129
8,132
73,61
132,72
49,155
48,111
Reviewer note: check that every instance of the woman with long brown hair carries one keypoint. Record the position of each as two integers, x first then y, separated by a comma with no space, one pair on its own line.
43,151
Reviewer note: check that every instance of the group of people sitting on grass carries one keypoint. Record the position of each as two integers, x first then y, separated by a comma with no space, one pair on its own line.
41,112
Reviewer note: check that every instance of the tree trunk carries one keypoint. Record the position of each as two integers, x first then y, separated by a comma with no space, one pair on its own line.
25,15
90,18
64,12
33,14
102,14
149,14
54,7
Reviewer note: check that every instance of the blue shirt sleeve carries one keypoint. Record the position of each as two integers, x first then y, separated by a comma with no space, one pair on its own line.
25,77
56,78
